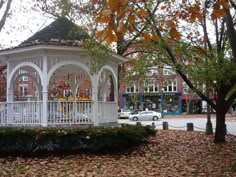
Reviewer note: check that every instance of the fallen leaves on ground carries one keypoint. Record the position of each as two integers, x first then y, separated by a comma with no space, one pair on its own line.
169,154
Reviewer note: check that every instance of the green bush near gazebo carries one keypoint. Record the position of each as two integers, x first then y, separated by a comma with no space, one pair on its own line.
44,141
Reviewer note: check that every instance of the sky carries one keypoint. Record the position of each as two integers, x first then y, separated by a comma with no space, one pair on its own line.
22,24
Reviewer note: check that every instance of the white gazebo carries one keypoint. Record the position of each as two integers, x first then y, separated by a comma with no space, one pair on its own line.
92,99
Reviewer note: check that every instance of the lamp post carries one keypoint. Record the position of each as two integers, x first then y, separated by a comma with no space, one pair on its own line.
162,94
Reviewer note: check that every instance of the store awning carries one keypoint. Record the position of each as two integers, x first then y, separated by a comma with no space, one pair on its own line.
189,97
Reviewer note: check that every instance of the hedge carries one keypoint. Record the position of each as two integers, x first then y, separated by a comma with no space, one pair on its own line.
32,141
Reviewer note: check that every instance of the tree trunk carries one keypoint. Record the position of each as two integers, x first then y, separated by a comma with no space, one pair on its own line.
209,128
220,127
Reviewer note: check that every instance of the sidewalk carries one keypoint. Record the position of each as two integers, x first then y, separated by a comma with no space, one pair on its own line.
229,117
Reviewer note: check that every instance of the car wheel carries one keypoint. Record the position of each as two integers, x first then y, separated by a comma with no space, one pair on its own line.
155,118
135,119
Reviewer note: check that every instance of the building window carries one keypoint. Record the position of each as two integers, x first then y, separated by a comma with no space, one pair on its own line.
67,93
23,89
185,88
24,78
151,86
132,88
170,86
152,71
167,70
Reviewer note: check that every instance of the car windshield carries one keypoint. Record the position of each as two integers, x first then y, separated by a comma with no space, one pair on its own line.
125,110
135,112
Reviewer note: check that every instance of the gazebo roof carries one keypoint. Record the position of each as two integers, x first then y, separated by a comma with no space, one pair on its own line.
60,32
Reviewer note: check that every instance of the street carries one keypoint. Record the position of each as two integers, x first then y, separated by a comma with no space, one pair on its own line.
180,123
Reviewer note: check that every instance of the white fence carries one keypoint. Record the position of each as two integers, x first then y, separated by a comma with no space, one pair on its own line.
30,113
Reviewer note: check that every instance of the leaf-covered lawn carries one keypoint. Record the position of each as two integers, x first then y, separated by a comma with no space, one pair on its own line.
169,154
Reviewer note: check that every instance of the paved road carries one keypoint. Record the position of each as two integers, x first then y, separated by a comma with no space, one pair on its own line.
181,123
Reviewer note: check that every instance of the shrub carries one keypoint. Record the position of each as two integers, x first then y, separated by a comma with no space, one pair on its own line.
31,141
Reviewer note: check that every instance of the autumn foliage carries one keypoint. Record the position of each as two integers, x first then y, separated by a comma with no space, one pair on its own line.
121,17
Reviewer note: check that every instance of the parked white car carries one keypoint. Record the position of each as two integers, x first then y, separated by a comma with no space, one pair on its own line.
124,113
146,115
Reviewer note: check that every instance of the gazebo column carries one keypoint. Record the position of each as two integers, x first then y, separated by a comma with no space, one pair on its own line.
104,86
45,93
104,93
10,96
116,93
95,99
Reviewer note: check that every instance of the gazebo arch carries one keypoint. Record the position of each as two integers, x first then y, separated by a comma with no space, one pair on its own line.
105,80
112,71
34,66
37,84
63,63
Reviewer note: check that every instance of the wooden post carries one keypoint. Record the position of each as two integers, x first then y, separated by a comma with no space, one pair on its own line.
165,125
225,129
190,127
138,123
153,125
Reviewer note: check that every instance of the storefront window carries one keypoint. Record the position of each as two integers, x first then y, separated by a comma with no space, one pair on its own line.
170,103
152,103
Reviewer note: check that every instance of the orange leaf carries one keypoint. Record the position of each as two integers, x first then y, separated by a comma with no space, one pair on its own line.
180,53
132,19
224,4
147,38
121,13
218,13
174,34
113,4
123,2
111,38
103,19
130,29
142,13
161,28
100,34
106,12
155,37
170,23
216,6
201,51
121,27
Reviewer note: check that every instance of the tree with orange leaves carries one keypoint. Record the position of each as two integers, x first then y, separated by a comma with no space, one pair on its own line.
198,38
200,31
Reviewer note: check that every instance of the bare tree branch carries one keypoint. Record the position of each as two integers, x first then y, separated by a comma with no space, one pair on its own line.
5,14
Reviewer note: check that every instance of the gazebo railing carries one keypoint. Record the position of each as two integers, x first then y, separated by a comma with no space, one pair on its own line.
70,112
3,113
23,113
30,113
